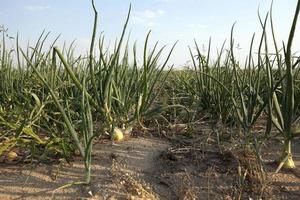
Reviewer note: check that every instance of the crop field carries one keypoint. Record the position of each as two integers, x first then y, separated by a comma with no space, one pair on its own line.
106,126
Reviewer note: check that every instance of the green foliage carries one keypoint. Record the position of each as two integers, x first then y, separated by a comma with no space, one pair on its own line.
48,96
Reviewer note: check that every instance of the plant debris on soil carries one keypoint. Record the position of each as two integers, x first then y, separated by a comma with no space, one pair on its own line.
156,168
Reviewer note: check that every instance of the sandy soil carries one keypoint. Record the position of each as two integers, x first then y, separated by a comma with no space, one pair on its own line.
114,167
152,168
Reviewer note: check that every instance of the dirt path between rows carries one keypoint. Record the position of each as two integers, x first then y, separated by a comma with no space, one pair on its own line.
149,169
118,172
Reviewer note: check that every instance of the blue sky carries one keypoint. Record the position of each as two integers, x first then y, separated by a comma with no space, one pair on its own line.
169,20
